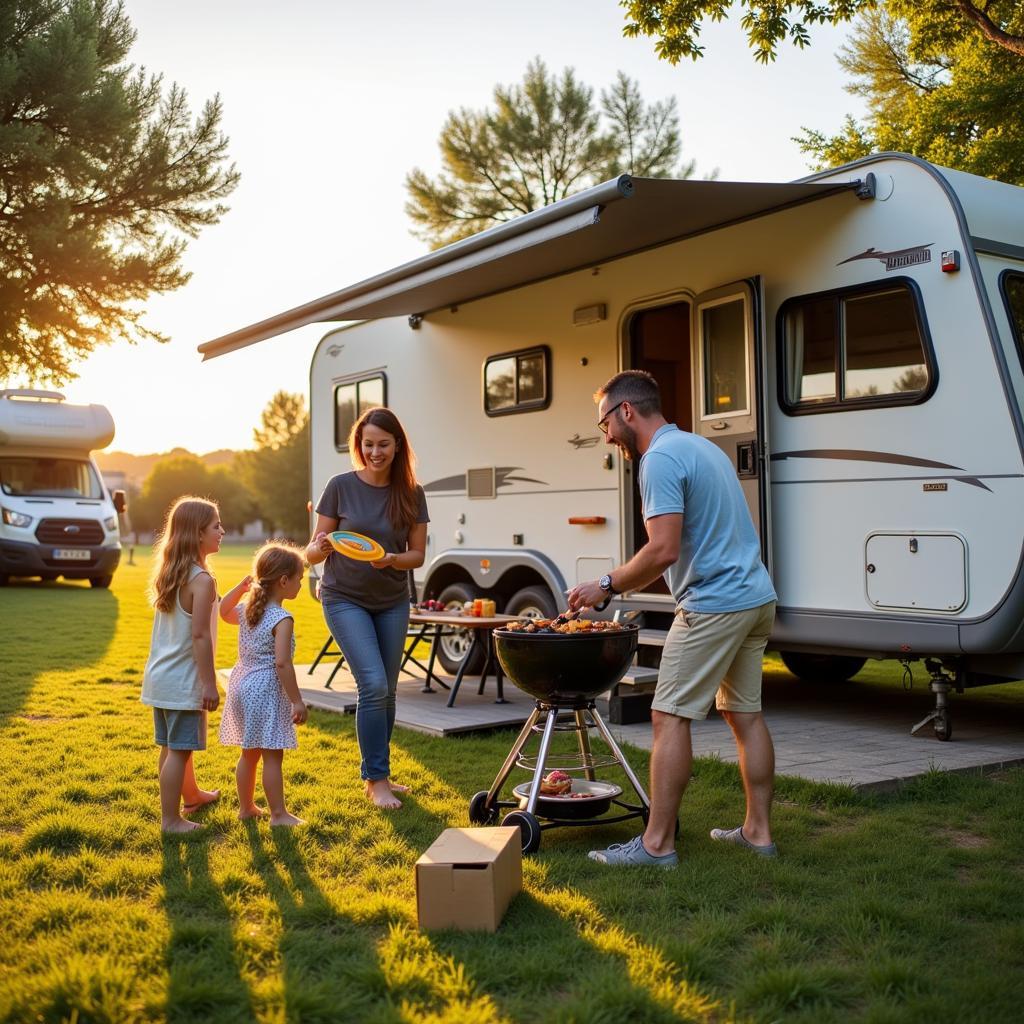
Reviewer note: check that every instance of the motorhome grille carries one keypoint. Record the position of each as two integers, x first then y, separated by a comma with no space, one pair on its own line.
480,483
74,532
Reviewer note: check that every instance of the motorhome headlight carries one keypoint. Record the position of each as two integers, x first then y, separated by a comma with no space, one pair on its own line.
111,524
12,518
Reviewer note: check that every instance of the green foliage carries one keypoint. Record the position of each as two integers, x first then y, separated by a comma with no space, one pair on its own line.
543,140
103,177
188,474
276,473
675,24
932,89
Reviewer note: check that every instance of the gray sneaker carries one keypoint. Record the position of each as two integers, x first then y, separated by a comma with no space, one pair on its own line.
633,854
737,838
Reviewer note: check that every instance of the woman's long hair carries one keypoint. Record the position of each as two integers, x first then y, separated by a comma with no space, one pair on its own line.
403,501
177,548
274,560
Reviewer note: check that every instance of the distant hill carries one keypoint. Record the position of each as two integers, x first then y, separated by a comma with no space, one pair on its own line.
137,467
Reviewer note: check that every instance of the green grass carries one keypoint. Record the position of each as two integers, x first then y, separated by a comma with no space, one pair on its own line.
889,909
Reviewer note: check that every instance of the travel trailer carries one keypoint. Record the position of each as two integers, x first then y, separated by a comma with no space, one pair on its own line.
57,517
854,341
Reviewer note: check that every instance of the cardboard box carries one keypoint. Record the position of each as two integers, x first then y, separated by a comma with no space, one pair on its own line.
468,877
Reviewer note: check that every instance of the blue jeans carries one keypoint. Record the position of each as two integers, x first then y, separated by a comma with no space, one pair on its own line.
372,643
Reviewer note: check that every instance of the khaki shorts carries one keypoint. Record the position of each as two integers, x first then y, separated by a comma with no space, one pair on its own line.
713,653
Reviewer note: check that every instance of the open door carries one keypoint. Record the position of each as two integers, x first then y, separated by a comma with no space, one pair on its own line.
660,343
728,387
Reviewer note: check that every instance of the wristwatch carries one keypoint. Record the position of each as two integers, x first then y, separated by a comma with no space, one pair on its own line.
605,583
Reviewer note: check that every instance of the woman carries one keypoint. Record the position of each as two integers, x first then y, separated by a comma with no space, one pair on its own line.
366,604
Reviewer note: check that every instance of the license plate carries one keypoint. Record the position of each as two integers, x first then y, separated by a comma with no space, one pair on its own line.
72,554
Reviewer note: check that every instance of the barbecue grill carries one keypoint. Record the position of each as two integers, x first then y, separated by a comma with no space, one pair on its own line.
564,673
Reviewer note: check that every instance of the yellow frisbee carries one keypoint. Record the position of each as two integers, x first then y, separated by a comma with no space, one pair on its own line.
356,546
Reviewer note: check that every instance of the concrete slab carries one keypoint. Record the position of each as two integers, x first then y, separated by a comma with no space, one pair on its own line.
859,734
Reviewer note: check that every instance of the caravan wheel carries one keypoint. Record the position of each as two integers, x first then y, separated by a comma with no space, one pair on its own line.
822,668
532,603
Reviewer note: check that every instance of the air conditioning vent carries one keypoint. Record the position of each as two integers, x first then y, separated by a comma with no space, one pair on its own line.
480,483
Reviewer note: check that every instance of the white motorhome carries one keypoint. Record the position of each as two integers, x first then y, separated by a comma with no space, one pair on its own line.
854,341
57,517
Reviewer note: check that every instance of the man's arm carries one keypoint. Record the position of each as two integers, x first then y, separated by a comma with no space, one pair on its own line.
660,551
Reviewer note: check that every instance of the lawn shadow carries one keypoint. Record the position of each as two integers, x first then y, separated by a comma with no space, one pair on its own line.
59,627
204,974
329,969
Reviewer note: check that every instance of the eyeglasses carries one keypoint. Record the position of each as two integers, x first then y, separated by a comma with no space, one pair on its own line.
602,423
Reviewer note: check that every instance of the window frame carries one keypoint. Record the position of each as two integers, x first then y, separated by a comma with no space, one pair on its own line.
341,444
535,405
729,294
1016,331
811,407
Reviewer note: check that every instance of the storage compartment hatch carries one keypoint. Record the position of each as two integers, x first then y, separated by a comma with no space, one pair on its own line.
916,571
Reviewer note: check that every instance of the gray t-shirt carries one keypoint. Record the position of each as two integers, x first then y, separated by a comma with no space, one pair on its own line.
362,508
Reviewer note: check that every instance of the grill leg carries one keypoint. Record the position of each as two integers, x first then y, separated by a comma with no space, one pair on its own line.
614,747
542,756
583,735
506,768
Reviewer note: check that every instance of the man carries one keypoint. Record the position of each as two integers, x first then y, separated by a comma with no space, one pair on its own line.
701,537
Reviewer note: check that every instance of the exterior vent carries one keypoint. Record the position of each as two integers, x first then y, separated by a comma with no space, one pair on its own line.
480,483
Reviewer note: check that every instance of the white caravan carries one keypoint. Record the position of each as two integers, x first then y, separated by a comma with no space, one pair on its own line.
854,341
57,517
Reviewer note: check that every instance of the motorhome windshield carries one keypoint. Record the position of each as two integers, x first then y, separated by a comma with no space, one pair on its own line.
42,477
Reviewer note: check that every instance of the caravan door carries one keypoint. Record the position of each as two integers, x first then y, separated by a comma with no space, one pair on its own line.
728,387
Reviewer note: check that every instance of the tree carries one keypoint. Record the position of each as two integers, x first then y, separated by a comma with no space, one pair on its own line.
188,474
931,90
675,24
103,178
543,140
276,473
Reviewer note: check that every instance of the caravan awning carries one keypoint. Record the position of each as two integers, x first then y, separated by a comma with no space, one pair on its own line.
611,220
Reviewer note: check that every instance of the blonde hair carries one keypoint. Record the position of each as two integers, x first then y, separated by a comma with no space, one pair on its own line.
274,560
177,548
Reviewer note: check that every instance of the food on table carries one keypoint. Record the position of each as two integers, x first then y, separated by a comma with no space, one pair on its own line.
556,783
572,626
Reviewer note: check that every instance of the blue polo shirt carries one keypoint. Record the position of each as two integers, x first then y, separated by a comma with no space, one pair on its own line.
719,567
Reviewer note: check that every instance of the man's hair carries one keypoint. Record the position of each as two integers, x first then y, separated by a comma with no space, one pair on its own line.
637,387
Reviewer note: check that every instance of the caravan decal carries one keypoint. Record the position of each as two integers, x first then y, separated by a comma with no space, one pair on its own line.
898,259
502,478
856,455
583,442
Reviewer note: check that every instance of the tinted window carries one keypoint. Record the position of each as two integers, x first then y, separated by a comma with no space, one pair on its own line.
49,478
351,401
724,335
883,350
846,348
1013,289
517,382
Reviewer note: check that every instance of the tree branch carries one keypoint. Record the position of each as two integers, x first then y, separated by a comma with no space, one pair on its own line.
989,29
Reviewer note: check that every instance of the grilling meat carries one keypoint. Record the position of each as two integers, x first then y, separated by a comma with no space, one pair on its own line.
556,783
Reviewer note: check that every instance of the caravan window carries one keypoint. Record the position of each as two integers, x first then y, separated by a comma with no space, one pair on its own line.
517,381
1013,294
863,346
723,333
351,400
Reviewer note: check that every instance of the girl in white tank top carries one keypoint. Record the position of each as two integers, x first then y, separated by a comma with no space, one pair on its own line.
180,681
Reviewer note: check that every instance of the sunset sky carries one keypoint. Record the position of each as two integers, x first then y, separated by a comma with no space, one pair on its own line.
328,104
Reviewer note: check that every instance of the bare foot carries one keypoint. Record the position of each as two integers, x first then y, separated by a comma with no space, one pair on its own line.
251,812
287,820
202,798
397,787
181,825
379,791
